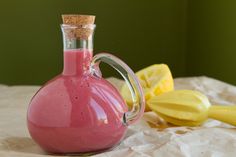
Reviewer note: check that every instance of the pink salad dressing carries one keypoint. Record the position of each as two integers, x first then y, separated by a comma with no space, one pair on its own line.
76,112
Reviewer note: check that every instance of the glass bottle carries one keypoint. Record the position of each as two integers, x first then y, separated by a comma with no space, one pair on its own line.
79,111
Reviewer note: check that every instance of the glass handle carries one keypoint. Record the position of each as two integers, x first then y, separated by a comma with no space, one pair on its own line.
130,78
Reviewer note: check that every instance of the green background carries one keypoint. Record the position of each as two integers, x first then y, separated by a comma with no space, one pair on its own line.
211,40
192,37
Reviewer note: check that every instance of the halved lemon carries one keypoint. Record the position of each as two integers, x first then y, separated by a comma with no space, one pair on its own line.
155,79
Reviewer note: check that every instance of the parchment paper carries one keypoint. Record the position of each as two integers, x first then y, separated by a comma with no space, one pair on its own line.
149,137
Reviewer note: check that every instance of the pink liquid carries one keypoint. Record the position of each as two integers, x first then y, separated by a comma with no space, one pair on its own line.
76,112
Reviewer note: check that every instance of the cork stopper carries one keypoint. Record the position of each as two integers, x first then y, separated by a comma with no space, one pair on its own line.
80,23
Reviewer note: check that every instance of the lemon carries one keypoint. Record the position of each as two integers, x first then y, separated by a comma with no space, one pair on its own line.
181,107
155,79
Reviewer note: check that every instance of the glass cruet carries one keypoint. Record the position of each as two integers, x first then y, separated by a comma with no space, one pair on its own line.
78,111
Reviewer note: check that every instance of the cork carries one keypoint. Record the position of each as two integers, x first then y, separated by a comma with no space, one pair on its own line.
80,31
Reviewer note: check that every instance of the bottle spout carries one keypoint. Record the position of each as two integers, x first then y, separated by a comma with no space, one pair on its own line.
78,43
78,31
78,26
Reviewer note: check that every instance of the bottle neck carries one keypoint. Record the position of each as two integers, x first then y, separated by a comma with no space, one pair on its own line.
77,61
78,52
72,44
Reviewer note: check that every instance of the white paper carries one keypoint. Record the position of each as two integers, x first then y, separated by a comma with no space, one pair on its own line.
151,136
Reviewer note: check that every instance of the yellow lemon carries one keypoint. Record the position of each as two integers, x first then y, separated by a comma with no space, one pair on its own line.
190,108
155,79
181,107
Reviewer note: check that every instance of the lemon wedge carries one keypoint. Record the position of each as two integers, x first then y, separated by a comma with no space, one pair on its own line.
155,79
